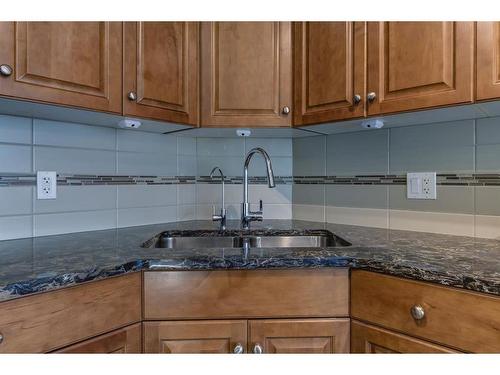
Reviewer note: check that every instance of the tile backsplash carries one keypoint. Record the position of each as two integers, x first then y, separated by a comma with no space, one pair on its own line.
111,178
364,179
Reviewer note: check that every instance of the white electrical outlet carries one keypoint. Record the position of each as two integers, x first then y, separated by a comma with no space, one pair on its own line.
46,185
421,185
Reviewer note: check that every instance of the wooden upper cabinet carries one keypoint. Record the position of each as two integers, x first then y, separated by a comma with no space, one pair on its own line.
299,336
195,337
68,63
246,74
488,60
329,71
160,79
415,65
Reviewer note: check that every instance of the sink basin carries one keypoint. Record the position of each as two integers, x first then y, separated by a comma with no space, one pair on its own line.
185,240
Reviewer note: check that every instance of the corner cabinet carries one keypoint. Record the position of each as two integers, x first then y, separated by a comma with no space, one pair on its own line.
246,74
160,79
370,339
416,65
127,340
68,63
488,60
329,71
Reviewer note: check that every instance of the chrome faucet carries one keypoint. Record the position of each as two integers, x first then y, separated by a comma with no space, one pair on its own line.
246,215
222,216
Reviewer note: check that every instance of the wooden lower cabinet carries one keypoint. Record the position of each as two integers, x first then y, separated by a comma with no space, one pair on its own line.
370,339
127,340
299,336
210,336
268,335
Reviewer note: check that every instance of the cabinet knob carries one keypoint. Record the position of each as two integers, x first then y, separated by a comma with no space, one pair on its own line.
357,98
238,349
132,96
5,70
371,96
417,312
286,110
1,338
257,349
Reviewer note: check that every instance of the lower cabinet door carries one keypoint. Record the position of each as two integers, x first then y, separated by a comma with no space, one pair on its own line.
370,339
124,340
299,336
210,336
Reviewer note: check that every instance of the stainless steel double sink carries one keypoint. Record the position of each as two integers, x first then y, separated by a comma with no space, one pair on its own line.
240,239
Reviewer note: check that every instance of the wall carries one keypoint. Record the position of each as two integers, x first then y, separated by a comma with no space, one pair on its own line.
110,178
360,178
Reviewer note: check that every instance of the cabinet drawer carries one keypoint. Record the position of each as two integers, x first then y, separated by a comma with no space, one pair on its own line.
47,321
458,318
246,294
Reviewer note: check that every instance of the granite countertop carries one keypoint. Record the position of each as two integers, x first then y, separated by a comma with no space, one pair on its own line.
38,264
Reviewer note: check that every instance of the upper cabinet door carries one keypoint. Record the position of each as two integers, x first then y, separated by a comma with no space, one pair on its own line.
69,63
488,60
329,71
246,74
160,78
414,65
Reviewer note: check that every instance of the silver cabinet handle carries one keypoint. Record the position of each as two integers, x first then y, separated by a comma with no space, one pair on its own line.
371,96
5,70
238,349
257,349
417,312
357,98
1,338
132,96
286,110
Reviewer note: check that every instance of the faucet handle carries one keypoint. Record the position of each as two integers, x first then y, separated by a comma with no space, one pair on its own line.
261,207
215,217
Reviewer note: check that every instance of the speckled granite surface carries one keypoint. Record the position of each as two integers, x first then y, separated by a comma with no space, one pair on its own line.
44,263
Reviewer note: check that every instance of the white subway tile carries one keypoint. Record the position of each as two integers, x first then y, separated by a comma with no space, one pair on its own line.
308,212
14,129
367,217
146,195
78,161
16,200
137,141
55,133
78,198
146,164
129,217
12,227
273,146
68,222
15,159
186,212
432,222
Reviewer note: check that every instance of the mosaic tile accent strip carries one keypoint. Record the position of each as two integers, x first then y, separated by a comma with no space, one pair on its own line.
473,179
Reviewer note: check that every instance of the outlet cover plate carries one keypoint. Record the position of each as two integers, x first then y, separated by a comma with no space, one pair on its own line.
46,185
421,185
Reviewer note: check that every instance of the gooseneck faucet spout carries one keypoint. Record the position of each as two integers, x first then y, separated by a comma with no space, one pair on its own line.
246,214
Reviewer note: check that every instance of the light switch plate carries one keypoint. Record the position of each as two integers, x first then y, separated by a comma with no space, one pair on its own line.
421,185
46,185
